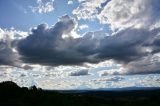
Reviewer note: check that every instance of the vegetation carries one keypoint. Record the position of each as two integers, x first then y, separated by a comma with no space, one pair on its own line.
13,95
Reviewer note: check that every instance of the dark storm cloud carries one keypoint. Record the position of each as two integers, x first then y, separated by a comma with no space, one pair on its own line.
46,46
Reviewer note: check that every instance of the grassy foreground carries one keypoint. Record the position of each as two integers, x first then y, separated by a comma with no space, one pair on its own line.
13,95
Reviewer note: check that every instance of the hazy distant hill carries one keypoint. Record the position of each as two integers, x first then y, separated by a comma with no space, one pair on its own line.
13,95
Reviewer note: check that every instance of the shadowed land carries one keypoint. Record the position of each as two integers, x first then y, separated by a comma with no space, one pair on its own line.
13,95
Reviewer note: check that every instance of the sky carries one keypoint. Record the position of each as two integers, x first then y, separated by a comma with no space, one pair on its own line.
80,44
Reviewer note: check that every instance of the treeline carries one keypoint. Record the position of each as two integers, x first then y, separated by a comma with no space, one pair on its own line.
13,95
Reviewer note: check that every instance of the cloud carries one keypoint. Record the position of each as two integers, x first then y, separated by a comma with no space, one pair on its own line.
88,9
127,13
113,79
135,21
8,53
79,73
111,72
145,65
43,7
120,14
46,46
84,26
7,56
70,2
